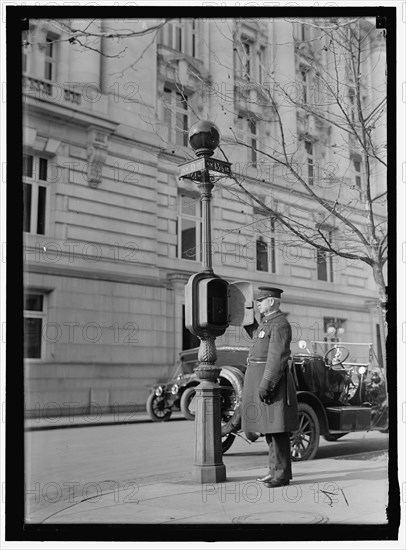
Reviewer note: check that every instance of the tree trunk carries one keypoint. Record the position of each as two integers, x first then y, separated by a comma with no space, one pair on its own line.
383,308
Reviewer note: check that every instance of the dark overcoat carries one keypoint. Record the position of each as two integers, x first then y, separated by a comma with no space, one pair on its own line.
268,367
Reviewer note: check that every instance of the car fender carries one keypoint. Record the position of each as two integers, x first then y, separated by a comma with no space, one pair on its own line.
318,407
230,373
191,384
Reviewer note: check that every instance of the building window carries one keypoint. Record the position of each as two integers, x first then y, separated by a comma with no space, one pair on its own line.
333,329
262,255
309,82
35,194
262,73
24,37
303,77
357,171
25,60
189,228
34,319
243,58
379,344
265,248
325,264
309,162
252,140
176,116
180,35
193,38
247,132
250,59
50,61
303,32
246,60
351,98
321,265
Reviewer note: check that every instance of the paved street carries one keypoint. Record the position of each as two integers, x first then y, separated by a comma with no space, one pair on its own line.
141,473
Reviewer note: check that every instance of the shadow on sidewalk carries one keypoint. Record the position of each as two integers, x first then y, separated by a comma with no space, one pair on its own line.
332,476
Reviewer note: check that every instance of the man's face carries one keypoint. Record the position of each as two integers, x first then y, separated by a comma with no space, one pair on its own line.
265,305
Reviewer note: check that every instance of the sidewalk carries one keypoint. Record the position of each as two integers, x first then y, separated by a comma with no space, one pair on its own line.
347,490
344,489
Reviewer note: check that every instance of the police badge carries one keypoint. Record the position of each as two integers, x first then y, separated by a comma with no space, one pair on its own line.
261,334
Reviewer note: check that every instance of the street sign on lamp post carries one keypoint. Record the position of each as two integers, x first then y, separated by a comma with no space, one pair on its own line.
204,164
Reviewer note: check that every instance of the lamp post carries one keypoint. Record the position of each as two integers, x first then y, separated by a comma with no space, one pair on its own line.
204,137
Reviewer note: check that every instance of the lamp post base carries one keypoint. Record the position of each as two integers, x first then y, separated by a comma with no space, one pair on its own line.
208,467
209,474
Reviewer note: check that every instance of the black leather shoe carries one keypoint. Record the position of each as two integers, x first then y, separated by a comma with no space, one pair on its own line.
266,479
273,484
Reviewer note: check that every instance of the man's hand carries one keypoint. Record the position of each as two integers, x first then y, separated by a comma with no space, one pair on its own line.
266,396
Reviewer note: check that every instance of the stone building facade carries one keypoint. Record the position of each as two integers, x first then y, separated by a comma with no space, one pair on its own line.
111,235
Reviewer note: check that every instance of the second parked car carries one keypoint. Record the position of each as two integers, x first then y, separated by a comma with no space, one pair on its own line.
177,393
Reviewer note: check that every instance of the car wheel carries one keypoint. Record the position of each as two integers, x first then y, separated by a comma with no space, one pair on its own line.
231,382
304,443
157,408
185,402
334,437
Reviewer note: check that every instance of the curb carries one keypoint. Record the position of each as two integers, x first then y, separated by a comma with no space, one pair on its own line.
57,426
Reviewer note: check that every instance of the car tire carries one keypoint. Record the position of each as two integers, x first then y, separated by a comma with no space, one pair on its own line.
185,401
231,381
156,408
304,443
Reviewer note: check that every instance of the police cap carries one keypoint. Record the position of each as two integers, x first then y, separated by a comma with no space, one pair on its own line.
268,292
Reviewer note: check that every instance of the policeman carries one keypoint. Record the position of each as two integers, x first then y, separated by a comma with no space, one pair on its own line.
269,403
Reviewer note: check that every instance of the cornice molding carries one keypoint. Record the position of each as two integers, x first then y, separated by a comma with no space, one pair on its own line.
108,276
67,113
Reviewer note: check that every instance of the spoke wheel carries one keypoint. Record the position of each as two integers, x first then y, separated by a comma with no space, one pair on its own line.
230,381
228,403
304,443
157,408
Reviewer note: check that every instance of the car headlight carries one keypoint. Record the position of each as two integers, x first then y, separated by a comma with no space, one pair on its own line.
159,391
174,389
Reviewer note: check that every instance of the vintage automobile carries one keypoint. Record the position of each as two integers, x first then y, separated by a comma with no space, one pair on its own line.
335,396
178,392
